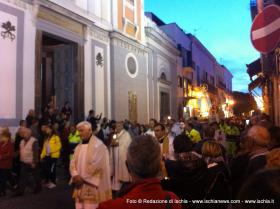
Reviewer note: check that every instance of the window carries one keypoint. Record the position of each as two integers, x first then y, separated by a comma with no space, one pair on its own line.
191,77
206,77
212,80
194,65
198,75
131,65
180,82
187,58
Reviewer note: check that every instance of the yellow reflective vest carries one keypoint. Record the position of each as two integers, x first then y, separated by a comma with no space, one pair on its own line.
194,136
223,127
232,131
74,138
54,144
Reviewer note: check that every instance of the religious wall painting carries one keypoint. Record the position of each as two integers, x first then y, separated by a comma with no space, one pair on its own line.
132,104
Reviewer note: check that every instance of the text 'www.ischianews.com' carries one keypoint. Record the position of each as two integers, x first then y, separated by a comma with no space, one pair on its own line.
210,201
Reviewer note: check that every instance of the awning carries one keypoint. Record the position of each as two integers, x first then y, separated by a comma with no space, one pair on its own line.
255,83
254,68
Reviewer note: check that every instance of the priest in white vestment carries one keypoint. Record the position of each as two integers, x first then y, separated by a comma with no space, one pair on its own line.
118,152
90,170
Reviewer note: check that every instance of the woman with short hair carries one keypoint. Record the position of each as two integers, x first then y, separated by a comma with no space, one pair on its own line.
218,174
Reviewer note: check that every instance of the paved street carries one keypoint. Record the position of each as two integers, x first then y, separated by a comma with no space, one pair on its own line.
56,198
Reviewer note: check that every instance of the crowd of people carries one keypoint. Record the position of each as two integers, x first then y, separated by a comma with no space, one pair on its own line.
114,164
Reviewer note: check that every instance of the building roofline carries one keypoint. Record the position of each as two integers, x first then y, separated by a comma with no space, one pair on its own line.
224,67
155,18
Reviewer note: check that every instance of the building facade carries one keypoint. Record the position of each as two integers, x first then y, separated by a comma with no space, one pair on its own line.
93,54
104,55
203,79
264,72
164,63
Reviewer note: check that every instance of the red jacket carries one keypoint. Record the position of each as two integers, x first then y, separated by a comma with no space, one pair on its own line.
139,194
6,154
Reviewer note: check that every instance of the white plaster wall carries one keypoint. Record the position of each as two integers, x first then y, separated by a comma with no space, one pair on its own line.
28,64
99,83
163,64
109,105
29,61
86,9
114,9
94,6
82,3
88,76
28,90
8,52
96,83
161,48
143,22
106,10
147,85
100,8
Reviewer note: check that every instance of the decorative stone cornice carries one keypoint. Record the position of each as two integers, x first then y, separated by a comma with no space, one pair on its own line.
151,33
168,83
99,34
19,3
63,11
120,40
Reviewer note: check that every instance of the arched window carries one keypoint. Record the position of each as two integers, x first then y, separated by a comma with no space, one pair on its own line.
163,76
131,1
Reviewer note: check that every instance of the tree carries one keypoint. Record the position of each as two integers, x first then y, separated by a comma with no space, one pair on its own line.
244,103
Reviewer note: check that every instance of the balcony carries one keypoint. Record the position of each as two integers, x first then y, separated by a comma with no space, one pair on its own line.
187,70
210,87
222,85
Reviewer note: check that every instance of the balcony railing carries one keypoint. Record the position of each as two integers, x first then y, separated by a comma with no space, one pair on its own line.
210,87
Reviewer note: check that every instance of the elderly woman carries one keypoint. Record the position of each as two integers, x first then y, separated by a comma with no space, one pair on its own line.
143,162
6,159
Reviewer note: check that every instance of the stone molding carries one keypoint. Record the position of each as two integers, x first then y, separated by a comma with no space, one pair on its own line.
120,40
98,34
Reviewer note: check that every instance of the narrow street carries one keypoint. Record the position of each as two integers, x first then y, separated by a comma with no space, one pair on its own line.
56,198
143,104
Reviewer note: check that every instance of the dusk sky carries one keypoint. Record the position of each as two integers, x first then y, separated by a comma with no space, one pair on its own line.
223,26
